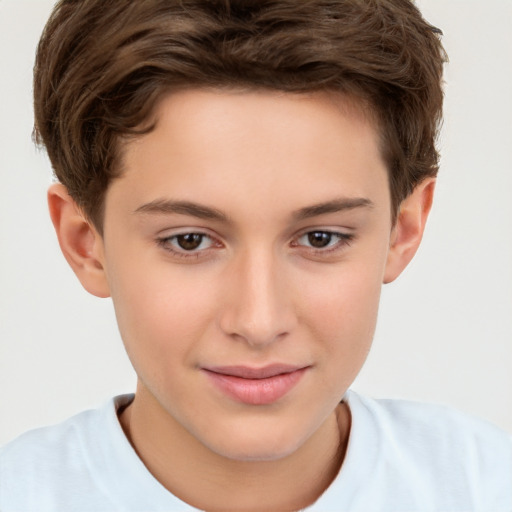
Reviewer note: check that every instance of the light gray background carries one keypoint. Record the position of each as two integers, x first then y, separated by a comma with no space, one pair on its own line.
445,328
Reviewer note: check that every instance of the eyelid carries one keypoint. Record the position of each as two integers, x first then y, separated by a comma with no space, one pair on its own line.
341,232
165,237
344,239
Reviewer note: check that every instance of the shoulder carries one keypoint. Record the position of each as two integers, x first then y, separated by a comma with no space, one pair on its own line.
47,446
436,450
439,424
43,449
45,439
32,464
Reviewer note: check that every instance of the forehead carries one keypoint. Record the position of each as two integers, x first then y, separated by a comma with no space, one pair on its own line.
238,147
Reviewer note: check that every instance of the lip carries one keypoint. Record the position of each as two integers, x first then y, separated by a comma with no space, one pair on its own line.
256,386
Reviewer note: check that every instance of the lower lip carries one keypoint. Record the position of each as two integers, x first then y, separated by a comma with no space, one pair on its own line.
256,391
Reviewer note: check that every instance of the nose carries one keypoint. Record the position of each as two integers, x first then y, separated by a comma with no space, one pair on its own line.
258,306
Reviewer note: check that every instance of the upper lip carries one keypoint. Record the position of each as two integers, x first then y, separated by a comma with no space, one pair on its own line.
248,372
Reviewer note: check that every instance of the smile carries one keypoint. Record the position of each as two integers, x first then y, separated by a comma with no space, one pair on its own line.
255,386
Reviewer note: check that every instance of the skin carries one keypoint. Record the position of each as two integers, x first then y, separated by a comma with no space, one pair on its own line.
256,166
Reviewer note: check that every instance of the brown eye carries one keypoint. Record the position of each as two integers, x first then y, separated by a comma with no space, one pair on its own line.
189,241
319,239
195,245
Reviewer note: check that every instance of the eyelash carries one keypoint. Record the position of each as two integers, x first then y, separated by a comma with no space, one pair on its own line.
166,244
344,240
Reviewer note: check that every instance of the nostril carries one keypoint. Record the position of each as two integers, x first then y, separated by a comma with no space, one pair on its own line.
257,338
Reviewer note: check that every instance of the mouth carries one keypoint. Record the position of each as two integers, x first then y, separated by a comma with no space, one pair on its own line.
255,386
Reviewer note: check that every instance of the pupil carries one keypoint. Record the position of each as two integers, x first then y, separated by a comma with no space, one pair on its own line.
190,241
319,239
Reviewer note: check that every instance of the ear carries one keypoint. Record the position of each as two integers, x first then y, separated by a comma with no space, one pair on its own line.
80,242
408,230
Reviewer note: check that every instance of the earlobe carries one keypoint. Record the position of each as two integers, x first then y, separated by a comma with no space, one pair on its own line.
80,242
409,228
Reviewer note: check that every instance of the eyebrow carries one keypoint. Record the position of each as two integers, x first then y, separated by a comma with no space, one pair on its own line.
164,206
334,206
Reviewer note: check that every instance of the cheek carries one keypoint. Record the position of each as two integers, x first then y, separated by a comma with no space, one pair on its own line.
343,311
161,314
343,297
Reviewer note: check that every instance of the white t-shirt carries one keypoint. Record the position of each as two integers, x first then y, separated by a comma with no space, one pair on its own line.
402,456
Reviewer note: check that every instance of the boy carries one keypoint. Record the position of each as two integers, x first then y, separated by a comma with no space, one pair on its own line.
241,178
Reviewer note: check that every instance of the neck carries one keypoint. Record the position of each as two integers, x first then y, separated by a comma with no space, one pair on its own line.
209,481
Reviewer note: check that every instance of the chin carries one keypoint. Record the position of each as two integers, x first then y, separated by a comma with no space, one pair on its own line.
254,446
256,454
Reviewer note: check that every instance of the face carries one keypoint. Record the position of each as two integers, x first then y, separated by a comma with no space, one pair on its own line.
245,246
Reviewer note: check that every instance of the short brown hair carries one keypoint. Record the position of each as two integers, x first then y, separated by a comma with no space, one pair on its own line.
101,66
